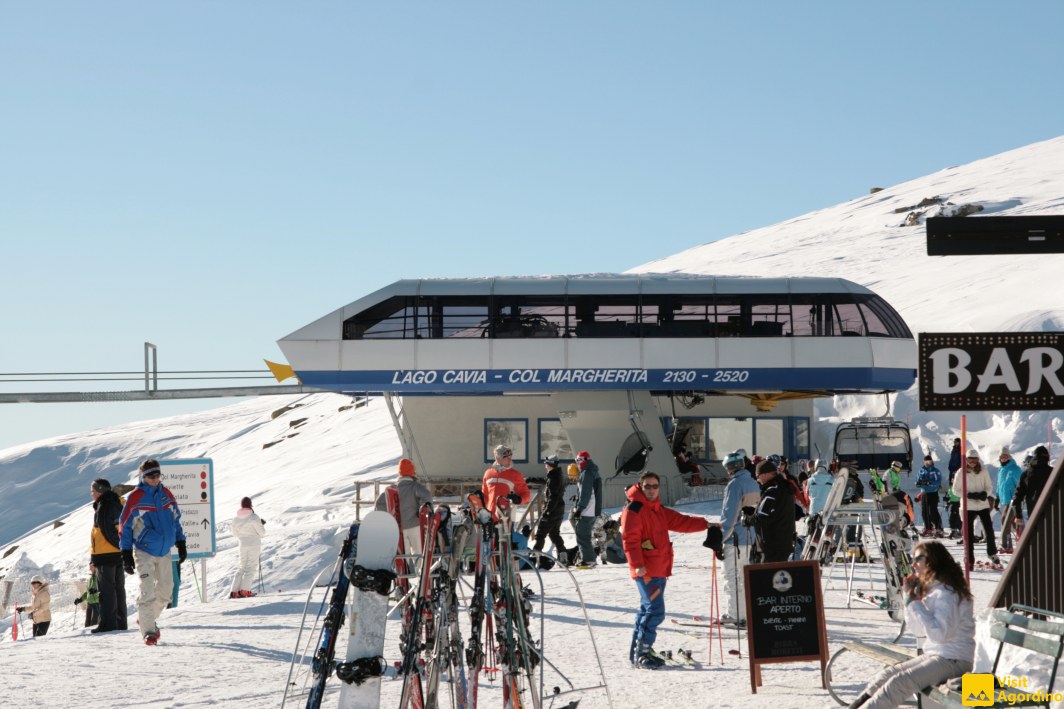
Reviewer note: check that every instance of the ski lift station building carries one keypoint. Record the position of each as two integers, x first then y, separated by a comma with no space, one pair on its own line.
612,364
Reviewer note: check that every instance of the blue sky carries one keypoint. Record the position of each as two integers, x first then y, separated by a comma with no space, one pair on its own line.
211,176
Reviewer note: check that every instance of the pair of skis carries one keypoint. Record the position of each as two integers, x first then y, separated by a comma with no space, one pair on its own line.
679,658
499,612
363,571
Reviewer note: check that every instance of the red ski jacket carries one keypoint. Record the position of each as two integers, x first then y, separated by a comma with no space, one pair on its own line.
500,483
645,528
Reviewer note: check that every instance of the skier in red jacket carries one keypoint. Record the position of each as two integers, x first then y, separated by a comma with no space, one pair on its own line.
503,480
645,527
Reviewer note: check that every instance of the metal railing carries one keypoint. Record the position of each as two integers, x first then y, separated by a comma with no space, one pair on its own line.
449,491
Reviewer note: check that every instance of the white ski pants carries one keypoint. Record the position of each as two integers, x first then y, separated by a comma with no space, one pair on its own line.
736,557
896,684
249,566
412,540
156,574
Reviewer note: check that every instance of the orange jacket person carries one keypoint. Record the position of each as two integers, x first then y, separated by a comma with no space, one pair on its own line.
501,480
645,527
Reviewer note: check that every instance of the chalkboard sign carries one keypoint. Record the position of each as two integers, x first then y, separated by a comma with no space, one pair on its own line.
785,616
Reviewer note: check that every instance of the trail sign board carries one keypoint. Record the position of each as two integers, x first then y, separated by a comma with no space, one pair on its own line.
192,483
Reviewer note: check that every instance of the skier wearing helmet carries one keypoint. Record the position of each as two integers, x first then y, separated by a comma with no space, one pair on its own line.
741,497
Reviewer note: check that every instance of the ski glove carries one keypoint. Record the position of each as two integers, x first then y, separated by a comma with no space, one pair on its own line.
20,609
715,541
128,565
77,601
182,552
262,521
514,498
977,496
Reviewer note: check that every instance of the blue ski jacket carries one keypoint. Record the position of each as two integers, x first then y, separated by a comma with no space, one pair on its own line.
741,491
1008,478
929,479
150,521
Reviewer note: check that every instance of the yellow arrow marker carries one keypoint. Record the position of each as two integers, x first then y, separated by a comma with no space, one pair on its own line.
280,371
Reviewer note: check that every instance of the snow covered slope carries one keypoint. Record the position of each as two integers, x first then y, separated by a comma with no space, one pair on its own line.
286,453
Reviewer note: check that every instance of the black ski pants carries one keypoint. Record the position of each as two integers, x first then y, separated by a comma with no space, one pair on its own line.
551,527
955,517
112,582
929,510
988,532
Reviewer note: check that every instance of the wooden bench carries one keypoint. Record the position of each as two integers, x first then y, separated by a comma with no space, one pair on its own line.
1017,626
883,652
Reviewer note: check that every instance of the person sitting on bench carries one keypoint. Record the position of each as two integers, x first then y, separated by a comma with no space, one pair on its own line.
938,606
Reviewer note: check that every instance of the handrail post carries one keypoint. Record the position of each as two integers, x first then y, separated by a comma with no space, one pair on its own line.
154,382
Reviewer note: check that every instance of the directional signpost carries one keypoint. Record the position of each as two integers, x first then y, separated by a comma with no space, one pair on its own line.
192,483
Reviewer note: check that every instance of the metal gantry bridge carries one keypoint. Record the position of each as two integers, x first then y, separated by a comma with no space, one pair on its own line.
151,376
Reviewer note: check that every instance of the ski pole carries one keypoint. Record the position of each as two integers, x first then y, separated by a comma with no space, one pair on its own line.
737,551
261,591
720,630
712,593
199,591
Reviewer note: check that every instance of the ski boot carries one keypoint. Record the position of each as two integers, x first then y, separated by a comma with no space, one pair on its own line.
647,659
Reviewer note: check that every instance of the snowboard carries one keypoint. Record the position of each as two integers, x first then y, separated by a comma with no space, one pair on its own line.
371,578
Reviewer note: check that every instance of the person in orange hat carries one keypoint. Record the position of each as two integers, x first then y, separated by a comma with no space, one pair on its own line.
412,495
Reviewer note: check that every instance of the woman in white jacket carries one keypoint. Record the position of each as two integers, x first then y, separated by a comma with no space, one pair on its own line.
249,529
938,608
980,488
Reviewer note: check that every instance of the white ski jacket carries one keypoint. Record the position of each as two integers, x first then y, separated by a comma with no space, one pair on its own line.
248,528
945,623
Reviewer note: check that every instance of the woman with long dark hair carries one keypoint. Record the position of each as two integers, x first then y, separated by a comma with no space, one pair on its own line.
938,607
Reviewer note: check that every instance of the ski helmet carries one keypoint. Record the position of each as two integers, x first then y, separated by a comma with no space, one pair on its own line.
733,462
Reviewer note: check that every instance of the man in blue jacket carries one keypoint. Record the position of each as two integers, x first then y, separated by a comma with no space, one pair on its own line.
929,482
1008,478
741,497
151,526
